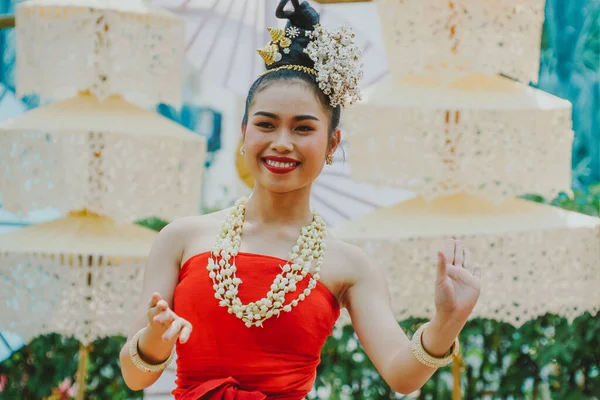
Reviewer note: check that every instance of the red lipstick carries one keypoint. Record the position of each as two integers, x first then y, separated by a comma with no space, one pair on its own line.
280,165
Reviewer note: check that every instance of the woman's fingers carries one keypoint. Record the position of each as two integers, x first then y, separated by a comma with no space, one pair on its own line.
186,331
173,330
449,251
160,313
156,297
459,255
164,317
162,305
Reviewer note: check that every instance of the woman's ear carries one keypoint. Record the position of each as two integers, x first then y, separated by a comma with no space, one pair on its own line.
336,138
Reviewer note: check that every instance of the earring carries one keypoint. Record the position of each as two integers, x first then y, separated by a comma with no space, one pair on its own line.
329,159
242,150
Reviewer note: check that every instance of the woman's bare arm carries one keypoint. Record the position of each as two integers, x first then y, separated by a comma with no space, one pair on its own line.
160,278
386,344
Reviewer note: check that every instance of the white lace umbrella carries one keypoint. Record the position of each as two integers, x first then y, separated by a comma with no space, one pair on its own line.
446,40
485,135
107,47
111,157
534,258
223,36
79,276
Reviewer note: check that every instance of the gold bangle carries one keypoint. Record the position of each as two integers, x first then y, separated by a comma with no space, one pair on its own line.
427,359
141,364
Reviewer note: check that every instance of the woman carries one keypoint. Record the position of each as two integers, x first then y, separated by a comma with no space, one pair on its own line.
250,316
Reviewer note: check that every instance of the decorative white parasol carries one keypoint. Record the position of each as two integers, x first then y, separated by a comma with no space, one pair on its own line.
535,258
78,275
484,135
447,40
111,157
106,47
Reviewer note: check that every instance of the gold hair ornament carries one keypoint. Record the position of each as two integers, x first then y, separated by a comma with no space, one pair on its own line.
278,37
293,67
270,53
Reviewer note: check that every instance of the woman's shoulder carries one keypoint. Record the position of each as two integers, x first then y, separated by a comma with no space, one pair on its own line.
196,223
351,261
187,232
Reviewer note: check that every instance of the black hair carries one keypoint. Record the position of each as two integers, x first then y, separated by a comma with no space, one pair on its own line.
303,18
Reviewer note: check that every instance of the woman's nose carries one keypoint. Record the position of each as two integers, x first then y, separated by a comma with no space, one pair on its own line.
282,142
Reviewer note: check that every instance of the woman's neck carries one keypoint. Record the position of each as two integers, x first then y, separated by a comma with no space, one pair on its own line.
292,208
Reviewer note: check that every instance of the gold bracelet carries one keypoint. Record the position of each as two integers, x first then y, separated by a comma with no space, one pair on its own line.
141,364
424,357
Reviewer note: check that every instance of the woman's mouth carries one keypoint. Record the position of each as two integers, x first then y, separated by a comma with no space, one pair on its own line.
280,165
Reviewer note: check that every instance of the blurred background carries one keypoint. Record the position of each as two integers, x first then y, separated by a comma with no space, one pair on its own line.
550,356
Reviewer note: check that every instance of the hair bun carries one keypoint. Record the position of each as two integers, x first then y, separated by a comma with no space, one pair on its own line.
303,16
287,46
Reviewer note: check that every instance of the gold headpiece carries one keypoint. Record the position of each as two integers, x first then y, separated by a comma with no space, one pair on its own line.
294,67
330,51
270,53
278,37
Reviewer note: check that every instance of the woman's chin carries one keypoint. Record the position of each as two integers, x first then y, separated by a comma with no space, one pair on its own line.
280,186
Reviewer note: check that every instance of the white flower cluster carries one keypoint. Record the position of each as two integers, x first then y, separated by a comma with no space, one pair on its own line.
336,57
222,269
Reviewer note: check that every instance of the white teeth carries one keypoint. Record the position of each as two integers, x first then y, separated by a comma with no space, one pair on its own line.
277,164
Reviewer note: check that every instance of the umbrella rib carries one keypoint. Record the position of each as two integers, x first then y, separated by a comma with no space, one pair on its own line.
202,24
257,38
213,45
330,206
184,4
346,194
377,78
237,43
342,174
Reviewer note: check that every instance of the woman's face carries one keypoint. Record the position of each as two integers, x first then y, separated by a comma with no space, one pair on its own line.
286,139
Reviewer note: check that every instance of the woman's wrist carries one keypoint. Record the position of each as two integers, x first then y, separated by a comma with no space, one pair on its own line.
440,335
151,348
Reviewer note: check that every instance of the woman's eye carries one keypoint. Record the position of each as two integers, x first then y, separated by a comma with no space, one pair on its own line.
265,125
304,128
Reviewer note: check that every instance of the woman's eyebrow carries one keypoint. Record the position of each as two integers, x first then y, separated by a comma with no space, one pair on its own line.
303,117
296,118
265,114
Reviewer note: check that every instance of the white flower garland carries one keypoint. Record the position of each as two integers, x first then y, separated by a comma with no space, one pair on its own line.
336,57
222,269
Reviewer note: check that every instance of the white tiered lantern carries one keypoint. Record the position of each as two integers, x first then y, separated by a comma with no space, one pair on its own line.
469,141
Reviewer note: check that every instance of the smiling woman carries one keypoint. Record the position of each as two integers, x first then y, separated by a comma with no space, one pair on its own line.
287,136
252,293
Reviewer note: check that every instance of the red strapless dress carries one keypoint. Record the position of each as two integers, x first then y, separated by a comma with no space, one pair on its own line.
223,359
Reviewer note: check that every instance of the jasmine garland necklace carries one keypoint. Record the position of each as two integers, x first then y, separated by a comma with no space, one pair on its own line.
222,269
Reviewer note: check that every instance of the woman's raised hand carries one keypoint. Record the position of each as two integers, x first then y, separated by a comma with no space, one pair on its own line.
163,321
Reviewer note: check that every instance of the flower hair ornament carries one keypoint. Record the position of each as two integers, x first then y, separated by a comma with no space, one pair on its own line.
334,53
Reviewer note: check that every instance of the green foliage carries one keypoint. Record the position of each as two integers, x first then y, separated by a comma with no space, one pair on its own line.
33,372
156,224
585,201
545,358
